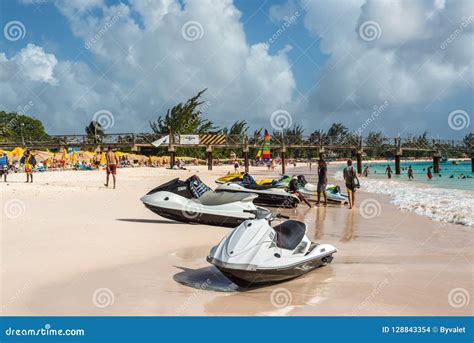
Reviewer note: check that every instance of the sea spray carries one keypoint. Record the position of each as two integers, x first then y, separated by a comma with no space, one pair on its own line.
440,204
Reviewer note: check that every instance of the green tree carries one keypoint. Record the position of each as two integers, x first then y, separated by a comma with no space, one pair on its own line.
16,127
468,140
184,118
318,137
337,133
237,131
374,141
293,135
94,131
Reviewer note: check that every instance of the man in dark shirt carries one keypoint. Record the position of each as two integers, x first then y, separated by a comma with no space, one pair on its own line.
322,181
293,188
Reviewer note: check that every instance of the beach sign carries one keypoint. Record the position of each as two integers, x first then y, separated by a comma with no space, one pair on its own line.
189,139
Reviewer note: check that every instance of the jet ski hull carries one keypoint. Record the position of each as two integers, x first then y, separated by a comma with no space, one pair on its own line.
334,198
275,201
270,196
197,218
250,278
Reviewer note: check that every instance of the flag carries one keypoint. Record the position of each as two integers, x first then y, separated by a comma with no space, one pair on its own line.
266,147
162,140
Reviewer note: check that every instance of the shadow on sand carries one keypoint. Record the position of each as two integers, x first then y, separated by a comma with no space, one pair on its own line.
147,221
207,278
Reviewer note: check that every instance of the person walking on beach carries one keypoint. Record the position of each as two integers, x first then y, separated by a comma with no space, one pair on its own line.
29,161
236,166
4,165
410,173
111,160
428,174
322,181
293,188
366,171
352,182
388,171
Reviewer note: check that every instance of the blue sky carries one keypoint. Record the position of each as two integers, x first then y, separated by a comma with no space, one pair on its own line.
321,67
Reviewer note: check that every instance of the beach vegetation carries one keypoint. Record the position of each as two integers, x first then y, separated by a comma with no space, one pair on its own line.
17,127
95,133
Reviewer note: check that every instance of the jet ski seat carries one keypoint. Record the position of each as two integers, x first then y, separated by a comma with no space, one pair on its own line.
289,234
211,198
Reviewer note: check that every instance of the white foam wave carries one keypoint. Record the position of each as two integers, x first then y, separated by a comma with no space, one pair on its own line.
444,205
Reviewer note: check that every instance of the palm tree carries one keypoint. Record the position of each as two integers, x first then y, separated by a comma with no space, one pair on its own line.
374,140
94,131
184,118
337,133
318,137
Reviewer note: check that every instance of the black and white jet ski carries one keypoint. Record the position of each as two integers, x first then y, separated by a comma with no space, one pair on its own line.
268,195
191,201
310,191
256,253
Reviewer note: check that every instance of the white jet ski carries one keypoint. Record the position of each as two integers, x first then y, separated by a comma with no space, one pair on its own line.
256,253
310,191
191,201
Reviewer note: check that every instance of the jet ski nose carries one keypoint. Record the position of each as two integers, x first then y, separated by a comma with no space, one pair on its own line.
146,198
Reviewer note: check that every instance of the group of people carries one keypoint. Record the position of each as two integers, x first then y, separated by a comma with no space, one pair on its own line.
28,161
350,179
389,172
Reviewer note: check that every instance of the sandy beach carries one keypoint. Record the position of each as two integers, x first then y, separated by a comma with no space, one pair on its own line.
69,246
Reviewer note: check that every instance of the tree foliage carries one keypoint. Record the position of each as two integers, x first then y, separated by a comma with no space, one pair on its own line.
14,125
94,131
184,118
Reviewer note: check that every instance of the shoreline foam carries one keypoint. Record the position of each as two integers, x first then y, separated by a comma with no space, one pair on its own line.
440,204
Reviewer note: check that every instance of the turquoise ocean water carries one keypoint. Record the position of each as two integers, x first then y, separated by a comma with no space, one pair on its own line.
377,171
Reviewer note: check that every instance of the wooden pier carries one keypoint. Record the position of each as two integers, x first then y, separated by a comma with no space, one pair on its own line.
356,145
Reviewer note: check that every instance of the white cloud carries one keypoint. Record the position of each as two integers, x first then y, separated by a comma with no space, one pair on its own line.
35,64
280,12
404,65
145,66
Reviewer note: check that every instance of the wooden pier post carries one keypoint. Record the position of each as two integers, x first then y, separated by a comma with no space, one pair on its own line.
283,162
398,154
436,158
246,155
209,157
397,164
171,147
359,161
321,152
172,157
172,151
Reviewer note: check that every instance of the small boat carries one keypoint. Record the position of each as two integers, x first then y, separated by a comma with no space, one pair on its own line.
238,176
191,201
333,193
255,253
309,190
268,195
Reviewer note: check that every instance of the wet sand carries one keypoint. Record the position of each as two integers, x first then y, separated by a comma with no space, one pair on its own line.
71,247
